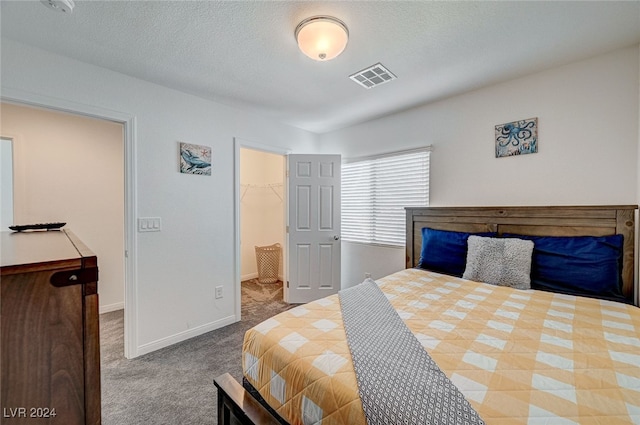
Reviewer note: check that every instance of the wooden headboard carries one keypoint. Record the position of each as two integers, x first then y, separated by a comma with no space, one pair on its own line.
534,221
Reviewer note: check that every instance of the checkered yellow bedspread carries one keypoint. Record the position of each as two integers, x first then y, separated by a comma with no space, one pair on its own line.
520,357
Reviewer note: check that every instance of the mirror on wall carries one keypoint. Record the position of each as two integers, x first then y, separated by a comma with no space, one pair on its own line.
6,183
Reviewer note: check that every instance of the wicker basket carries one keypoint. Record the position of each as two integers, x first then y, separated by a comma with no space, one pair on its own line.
268,259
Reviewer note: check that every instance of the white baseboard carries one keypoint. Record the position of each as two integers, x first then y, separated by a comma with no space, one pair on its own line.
111,307
248,276
254,276
183,336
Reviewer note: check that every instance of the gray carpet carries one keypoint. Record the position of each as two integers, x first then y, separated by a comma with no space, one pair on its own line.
175,385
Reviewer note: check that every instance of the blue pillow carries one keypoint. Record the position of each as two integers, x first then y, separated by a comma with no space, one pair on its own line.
579,265
445,251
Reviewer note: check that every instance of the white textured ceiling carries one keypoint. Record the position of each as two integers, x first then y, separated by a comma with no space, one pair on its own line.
243,53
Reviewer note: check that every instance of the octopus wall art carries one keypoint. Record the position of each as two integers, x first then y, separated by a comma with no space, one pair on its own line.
517,137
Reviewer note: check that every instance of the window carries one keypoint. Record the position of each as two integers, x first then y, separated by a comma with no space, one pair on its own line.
375,191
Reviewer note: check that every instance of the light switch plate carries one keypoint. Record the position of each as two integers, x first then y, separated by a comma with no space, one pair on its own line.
149,224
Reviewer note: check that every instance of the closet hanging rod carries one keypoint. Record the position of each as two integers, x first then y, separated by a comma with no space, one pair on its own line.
261,186
271,186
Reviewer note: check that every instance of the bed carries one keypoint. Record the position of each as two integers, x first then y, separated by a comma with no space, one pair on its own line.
517,356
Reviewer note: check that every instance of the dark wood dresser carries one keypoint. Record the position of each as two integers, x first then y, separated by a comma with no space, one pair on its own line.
50,362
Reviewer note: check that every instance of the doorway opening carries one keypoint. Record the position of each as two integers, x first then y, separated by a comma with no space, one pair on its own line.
260,228
70,168
60,113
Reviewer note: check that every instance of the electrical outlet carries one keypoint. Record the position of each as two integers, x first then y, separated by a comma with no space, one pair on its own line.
218,291
367,275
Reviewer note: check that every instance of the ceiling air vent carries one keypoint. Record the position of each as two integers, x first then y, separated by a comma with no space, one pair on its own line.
373,76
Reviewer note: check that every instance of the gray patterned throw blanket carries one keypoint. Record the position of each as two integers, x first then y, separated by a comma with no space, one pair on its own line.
398,382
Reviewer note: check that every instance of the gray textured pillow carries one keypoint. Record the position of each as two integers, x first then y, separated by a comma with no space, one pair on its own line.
499,261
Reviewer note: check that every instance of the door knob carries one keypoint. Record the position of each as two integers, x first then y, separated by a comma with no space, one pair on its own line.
336,237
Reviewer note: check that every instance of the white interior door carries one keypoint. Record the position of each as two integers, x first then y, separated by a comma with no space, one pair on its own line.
314,226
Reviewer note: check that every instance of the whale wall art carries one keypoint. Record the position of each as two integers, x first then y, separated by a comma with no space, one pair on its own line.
517,138
195,159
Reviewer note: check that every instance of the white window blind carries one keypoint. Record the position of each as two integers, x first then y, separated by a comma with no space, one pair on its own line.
375,191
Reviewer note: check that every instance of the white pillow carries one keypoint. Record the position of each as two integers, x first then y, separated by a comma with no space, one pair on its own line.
499,261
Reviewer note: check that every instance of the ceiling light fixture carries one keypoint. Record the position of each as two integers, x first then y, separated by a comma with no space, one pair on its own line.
322,38
65,6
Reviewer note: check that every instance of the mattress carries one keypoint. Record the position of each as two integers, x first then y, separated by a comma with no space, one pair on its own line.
519,357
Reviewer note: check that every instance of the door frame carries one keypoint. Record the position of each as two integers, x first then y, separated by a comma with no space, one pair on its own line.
239,143
128,121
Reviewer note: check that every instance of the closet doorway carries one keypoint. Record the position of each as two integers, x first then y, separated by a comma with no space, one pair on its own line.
262,225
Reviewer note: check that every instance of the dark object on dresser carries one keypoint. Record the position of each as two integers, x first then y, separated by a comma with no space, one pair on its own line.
50,359
38,226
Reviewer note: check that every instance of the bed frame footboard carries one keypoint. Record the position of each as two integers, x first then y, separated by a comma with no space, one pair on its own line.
237,406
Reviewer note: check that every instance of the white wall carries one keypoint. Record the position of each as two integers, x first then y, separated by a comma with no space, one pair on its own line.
261,207
588,118
588,141
377,261
179,267
70,168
